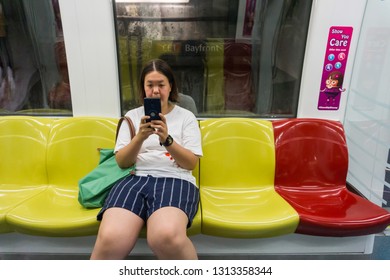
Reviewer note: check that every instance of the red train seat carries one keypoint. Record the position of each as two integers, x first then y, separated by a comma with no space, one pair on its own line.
311,172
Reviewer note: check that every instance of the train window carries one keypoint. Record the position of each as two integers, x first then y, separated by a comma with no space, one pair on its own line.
231,57
33,67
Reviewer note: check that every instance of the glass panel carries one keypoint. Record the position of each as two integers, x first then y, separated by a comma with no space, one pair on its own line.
367,115
34,75
231,57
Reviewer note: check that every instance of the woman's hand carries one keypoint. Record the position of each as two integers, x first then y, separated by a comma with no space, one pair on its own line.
145,128
160,128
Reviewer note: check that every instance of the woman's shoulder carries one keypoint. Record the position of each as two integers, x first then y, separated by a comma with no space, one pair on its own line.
183,111
183,114
136,112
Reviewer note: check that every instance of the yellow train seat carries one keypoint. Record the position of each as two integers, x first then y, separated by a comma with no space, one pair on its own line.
237,181
22,162
71,153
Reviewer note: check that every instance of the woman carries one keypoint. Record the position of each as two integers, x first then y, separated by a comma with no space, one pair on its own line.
162,193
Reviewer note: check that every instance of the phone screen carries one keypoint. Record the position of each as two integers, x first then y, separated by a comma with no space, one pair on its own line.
152,108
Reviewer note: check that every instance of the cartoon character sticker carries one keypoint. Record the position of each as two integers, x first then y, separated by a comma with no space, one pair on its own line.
333,87
335,62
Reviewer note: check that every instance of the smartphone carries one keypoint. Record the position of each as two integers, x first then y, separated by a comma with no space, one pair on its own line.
152,108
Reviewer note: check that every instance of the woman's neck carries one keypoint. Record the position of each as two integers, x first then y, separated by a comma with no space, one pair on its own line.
167,108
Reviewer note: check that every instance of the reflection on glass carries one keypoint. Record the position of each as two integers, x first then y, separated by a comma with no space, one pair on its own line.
33,67
230,57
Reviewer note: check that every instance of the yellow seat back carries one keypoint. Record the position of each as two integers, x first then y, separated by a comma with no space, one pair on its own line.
23,143
72,150
237,153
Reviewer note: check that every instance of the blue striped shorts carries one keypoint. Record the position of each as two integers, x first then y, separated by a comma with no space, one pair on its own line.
143,195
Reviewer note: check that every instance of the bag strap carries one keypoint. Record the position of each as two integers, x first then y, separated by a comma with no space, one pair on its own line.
131,126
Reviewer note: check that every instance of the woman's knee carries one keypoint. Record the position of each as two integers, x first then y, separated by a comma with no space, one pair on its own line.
166,230
167,238
107,236
119,226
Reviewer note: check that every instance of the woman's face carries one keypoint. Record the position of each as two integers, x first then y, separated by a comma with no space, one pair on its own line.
156,85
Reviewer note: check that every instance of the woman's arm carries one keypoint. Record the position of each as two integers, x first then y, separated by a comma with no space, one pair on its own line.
184,158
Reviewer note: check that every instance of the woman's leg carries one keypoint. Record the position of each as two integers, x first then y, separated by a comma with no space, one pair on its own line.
118,233
167,234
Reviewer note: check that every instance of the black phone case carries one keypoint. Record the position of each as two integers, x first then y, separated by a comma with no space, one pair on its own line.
152,108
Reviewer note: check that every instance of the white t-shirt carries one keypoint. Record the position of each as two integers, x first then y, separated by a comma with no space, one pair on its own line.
153,159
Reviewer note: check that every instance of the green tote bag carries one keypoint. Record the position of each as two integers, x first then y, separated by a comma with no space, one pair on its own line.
95,186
